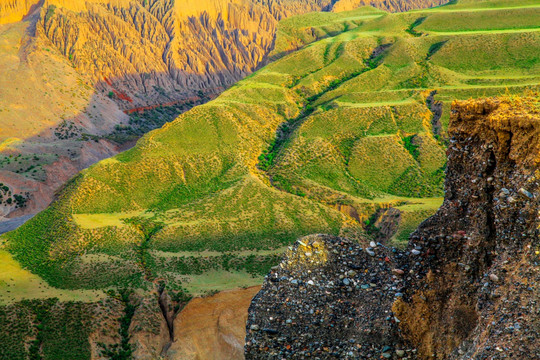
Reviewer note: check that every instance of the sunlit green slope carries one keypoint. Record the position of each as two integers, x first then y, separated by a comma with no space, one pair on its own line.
316,141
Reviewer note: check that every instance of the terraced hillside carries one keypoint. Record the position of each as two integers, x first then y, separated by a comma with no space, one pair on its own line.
346,135
324,140
82,80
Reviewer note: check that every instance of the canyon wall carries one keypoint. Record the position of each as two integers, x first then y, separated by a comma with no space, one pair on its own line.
16,10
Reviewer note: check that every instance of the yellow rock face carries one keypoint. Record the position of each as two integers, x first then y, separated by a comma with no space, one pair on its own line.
15,10
165,47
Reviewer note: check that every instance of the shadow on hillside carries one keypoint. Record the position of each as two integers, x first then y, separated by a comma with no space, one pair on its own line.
36,168
119,111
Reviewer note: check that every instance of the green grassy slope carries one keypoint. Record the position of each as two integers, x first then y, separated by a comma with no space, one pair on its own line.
316,141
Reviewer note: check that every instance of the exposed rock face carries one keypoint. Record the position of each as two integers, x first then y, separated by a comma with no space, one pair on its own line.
181,46
15,10
466,287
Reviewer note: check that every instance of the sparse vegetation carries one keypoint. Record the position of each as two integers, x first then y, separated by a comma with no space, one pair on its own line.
45,329
124,350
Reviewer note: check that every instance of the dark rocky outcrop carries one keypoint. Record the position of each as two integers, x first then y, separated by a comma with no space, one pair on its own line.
465,288
329,298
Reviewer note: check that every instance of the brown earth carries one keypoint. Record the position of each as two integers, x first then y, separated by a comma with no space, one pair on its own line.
213,327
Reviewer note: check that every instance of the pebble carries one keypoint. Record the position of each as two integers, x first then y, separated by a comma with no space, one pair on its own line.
525,193
254,327
398,272
415,252
493,277
400,353
370,253
346,282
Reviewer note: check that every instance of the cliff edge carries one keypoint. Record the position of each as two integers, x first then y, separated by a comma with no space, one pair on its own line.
466,287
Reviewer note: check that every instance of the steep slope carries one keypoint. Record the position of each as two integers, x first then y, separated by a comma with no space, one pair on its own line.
16,10
84,79
465,288
481,249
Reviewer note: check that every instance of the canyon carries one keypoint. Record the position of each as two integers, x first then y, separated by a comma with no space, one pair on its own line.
74,92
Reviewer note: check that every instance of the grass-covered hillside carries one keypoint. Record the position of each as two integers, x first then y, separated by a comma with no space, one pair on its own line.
324,139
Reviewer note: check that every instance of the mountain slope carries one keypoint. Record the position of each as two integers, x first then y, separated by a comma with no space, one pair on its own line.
84,79
345,109
73,83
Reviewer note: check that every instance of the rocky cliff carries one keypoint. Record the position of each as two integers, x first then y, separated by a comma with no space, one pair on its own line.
465,288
